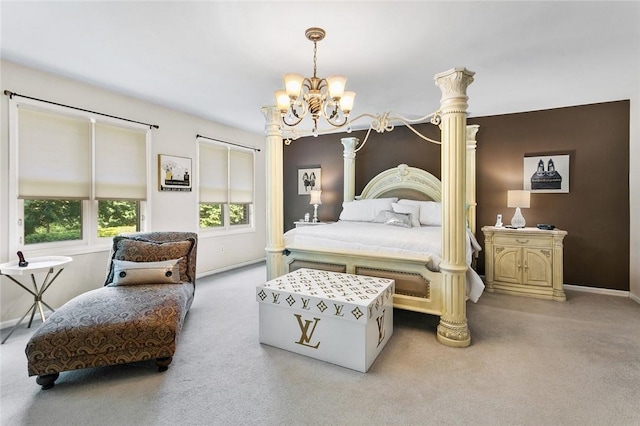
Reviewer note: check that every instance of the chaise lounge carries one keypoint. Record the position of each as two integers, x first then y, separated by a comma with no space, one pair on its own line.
136,316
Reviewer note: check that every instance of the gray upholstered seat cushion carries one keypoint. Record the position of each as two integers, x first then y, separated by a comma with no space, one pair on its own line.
111,325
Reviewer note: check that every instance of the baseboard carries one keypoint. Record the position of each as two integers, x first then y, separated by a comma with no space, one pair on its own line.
5,325
230,267
598,290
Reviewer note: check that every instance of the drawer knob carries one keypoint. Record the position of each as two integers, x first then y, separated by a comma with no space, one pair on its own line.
522,241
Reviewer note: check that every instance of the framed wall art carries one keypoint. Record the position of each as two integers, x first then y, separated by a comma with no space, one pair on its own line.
309,179
175,173
546,173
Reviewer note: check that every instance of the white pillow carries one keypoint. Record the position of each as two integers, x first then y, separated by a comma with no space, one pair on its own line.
130,273
413,211
365,210
381,217
430,211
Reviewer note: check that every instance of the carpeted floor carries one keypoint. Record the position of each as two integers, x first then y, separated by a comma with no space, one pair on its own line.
531,362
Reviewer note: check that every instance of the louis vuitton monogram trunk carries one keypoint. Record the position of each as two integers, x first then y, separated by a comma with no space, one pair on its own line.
340,318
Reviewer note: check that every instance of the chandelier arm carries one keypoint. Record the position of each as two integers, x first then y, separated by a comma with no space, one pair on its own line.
295,123
338,124
302,104
334,112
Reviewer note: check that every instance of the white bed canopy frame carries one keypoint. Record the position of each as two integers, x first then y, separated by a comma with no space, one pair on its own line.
458,173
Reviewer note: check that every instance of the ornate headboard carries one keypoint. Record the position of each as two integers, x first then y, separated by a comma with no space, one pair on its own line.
411,183
404,182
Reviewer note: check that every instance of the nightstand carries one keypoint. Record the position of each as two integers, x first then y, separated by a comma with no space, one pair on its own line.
524,262
301,223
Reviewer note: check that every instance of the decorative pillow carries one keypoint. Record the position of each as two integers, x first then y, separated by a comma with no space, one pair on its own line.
365,210
135,249
413,211
398,219
430,211
381,217
130,273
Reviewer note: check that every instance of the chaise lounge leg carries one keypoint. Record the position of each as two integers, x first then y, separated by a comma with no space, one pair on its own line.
47,381
163,363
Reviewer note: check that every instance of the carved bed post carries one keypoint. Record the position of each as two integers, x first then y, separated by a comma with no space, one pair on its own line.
275,209
453,329
349,155
472,129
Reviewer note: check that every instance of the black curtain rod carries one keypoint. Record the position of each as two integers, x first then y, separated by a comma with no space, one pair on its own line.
229,143
12,94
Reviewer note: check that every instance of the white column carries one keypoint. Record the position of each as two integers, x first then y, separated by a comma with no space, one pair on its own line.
472,129
349,174
453,329
274,180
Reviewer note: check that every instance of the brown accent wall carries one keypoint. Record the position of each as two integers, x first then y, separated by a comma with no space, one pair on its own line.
595,212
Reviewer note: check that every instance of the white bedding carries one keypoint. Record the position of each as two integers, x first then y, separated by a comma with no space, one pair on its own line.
423,241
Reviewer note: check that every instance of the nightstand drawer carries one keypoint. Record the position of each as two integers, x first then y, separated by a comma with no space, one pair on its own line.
523,240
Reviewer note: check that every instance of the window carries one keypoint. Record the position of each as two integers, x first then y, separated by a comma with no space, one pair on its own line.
79,179
117,216
239,214
226,186
211,215
48,221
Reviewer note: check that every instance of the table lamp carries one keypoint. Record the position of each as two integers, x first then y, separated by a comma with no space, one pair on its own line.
315,200
518,199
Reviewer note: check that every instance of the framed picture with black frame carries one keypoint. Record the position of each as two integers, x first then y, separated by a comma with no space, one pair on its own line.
546,173
174,173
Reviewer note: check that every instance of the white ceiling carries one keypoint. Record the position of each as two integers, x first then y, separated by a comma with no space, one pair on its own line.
222,60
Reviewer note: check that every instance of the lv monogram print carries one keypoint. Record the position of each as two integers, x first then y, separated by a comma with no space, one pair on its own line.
347,296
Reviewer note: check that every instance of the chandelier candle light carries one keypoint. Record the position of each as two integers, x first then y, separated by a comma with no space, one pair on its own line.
518,199
320,97
315,201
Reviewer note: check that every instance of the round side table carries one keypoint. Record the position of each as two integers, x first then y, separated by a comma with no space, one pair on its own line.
52,265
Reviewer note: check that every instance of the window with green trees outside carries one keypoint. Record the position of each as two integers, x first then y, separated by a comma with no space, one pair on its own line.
47,221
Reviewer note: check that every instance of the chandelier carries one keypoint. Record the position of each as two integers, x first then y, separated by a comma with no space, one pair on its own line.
319,97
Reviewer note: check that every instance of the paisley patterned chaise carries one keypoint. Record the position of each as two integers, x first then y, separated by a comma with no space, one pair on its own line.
136,316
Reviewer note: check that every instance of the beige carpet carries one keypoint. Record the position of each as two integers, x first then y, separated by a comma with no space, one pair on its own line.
531,362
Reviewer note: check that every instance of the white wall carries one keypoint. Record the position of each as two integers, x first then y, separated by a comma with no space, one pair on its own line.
177,211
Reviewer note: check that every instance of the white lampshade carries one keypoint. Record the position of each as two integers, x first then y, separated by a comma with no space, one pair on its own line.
315,197
336,84
518,198
346,101
282,100
293,84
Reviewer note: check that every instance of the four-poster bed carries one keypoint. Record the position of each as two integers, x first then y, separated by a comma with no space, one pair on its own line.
442,291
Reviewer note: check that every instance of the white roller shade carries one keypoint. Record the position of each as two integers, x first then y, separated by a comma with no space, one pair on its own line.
121,166
241,176
213,173
54,156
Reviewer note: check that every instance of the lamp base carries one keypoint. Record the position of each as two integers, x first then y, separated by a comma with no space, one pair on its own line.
518,220
315,213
